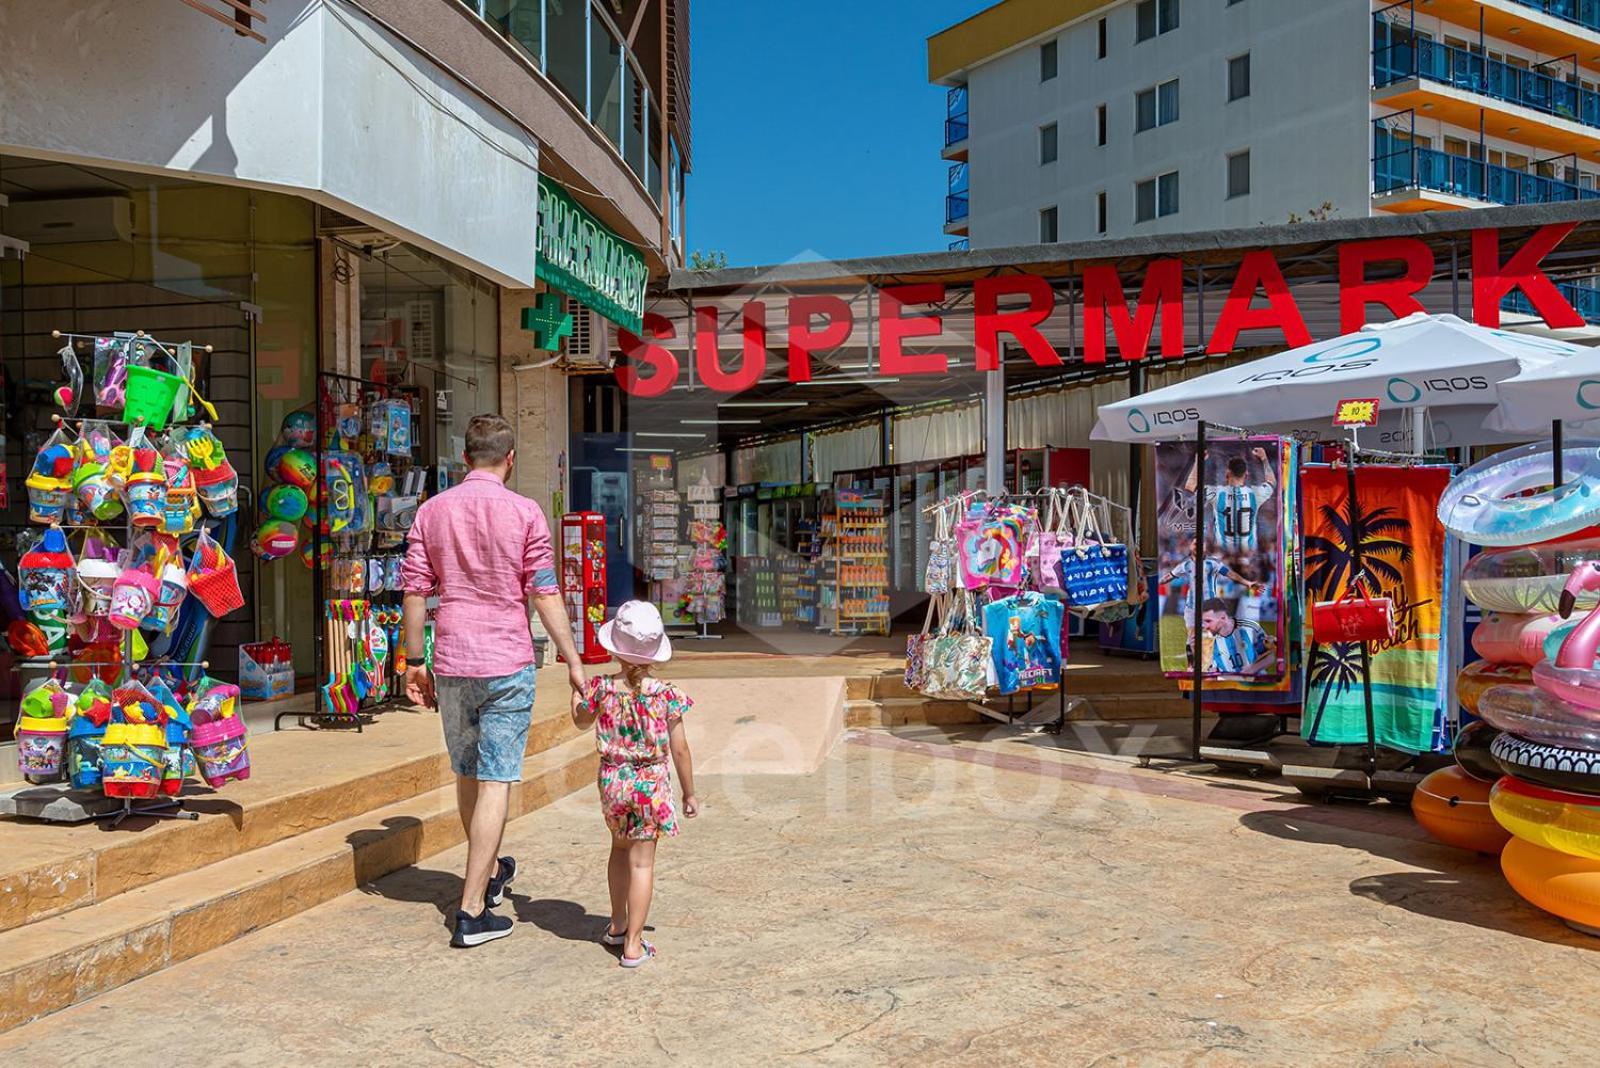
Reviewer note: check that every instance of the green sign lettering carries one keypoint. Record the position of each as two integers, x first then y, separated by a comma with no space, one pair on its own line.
581,257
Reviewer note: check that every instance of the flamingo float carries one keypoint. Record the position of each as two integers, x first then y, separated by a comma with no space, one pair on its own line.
1573,676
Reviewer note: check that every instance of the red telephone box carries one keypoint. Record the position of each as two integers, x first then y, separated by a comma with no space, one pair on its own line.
583,581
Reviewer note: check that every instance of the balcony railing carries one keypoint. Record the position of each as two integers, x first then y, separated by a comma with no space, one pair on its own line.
961,244
1428,168
1585,299
1583,12
1461,69
955,130
955,208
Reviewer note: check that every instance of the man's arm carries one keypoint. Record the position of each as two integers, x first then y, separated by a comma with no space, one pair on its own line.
539,567
553,614
1267,472
419,582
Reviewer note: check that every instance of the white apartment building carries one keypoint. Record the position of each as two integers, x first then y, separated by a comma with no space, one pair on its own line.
1075,119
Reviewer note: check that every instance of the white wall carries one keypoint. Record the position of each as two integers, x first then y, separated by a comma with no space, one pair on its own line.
1306,121
332,107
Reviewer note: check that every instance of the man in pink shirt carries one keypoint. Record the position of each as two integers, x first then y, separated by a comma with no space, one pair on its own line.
483,550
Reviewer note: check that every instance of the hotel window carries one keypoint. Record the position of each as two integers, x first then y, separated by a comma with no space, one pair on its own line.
1100,212
1100,124
1100,51
1239,77
1155,17
1156,107
1048,234
1047,61
1155,197
1239,174
1047,144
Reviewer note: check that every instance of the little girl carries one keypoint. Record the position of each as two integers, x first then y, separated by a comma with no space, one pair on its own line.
637,721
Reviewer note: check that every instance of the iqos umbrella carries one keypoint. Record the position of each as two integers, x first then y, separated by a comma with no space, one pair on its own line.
1438,362
1568,391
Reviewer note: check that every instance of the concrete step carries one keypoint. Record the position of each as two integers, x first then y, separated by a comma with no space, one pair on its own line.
899,711
1164,704
59,961
301,780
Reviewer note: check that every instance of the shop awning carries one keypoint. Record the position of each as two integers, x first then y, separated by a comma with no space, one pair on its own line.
1569,390
1441,363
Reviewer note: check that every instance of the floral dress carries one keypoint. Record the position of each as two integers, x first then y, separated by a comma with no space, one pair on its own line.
631,731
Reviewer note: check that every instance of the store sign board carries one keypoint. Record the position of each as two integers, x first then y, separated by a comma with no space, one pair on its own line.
821,322
1356,412
582,257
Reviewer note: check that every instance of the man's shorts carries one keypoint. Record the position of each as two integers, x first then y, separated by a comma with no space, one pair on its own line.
486,723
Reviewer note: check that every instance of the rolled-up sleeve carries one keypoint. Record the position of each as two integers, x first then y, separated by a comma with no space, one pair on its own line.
539,557
416,573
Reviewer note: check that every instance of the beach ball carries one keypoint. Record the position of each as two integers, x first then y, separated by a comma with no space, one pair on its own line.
299,430
274,539
288,503
274,456
297,467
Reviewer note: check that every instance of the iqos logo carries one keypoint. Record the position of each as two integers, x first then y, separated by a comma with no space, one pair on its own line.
1403,392
1140,423
1346,350
1137,421
1589,394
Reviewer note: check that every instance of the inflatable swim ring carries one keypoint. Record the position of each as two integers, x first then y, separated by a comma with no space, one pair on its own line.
1490,504
1563,885
1472,751
1454,807
1513,639
1527,578
1567,823
1572,675
1537,716
1479,675
1557,766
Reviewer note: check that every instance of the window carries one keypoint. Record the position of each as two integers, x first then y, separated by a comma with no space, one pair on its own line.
1156,107
1155,197
1239,174
1100,212
1154,17
1047,61
1100,124
1100,51
1048,234
1047,144
1239,77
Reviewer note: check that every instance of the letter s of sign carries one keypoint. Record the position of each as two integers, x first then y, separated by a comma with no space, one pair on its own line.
640,353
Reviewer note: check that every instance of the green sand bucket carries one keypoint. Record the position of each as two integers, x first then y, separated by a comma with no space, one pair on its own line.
150,396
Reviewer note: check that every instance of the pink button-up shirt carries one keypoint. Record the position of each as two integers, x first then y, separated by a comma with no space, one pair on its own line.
483,549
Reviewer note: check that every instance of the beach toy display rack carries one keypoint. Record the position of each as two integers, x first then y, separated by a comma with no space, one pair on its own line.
110,737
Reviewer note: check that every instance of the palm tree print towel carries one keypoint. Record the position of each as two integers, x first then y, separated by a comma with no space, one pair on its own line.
1402,546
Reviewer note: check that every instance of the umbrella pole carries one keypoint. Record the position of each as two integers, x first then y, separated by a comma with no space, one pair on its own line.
1197,587
1556,435
1358,568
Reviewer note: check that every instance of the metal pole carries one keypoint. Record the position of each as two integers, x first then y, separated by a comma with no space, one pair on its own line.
994,435
1358,569
1197,584
1556,436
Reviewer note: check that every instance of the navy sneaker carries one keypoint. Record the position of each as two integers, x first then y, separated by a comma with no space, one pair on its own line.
476,930
500,881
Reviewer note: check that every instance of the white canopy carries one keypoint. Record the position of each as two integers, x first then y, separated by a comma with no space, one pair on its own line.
1438,362
1569,390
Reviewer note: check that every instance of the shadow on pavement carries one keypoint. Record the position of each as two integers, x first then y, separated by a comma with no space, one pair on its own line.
441,889
564,919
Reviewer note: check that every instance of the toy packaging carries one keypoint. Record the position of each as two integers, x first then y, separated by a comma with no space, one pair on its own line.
266,670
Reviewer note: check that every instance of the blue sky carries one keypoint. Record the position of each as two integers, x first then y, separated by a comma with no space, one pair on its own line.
816,132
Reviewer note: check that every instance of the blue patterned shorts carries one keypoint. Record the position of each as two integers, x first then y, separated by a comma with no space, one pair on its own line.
486,723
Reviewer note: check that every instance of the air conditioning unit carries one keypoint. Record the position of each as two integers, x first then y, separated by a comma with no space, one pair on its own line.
588,349
71,219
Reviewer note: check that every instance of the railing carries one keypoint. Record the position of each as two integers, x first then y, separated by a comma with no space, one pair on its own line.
955,115
1585,299
961,244
955,208
955,130
1583,12
1428,168
1466,70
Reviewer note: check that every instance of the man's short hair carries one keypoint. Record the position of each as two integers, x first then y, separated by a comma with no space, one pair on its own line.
490,440
1214,604
1237,467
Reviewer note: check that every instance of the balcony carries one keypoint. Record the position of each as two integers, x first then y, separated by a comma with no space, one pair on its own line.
1425,179
961,244
955,124
1457,86
1584,298
955,209
1585,13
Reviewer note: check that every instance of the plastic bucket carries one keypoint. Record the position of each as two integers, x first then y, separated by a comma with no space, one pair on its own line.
133,760
83,752
220,749
41,744
150,397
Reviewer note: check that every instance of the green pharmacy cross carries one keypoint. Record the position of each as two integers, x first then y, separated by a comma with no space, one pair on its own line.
548,320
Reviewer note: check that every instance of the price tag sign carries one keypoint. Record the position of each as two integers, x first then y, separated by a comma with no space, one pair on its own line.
1356,412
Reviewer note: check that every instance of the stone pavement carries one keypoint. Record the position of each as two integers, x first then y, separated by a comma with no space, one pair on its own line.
965,898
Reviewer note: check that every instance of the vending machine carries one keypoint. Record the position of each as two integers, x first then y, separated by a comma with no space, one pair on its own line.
583,581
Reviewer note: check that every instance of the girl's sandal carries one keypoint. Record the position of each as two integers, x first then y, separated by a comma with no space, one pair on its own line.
635,962
609,939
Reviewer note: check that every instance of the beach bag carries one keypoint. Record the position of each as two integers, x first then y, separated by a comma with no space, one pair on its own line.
1044,550
1353,618
916,674
958,660
941,555
1093,571
989,546
1024,633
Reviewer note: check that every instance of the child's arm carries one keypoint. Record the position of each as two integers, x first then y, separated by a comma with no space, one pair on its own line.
683,762
585,710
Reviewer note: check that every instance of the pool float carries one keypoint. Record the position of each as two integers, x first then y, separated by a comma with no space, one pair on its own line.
1507,499
1480,675
1513,639
1558,883
1454,807
1472,751
1568,823
1527,578
1572,676
1538,716
1559,767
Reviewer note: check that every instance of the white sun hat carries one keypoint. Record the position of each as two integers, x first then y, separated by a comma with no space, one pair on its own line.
637,635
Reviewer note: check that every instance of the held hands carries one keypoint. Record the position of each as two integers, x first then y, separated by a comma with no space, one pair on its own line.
419,686
579,683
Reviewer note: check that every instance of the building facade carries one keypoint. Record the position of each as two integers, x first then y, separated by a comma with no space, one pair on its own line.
1074,120
458,199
